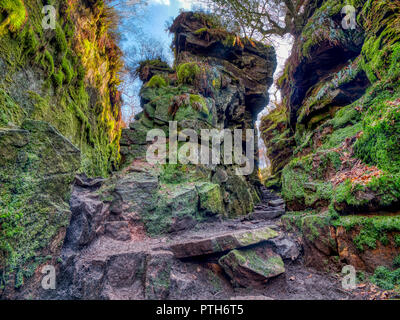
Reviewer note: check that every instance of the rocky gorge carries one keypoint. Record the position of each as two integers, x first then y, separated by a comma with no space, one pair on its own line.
78,192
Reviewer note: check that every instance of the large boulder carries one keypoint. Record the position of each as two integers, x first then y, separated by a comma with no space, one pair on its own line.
252,267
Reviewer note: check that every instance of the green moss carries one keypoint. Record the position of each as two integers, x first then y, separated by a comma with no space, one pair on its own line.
252,237
372,229
340,135
58,78
67,70
15,15
304,184
61,43
10,111
30,204
48,62
187,72
386,279
31,42
173,173
156,81
381,136
272,266
210,198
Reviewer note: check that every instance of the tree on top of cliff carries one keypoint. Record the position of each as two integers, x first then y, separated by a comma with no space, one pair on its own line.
261,19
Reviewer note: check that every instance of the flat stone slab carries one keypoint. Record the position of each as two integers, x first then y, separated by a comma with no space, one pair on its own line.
276,203
222,242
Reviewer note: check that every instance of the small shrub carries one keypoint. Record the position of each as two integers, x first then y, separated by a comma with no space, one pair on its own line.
386,279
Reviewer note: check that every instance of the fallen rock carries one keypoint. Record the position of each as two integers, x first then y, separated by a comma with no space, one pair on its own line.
222,242
286,247
252,267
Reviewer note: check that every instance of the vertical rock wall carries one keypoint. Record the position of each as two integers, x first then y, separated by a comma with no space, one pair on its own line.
58,93
334,141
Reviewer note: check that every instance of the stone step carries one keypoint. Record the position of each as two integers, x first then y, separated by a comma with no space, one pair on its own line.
267,214
276,203
221,242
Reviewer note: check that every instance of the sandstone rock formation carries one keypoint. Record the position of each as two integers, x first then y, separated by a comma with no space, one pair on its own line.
333,141
220,82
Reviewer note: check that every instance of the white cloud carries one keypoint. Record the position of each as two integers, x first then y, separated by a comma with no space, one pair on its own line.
162,2
186,4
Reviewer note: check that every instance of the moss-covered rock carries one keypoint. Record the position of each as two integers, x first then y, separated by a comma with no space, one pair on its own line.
252,267
210,198
38,166
207,90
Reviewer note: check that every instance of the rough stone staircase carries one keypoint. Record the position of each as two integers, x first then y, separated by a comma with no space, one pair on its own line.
215,260
270,207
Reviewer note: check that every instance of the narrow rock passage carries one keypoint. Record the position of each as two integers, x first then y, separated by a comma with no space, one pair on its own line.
247,258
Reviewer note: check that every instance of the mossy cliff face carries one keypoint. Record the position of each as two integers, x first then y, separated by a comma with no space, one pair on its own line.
59,115
219,81
67,77
338,126
38,166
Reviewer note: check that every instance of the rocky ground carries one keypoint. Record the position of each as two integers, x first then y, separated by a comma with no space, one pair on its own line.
246,258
